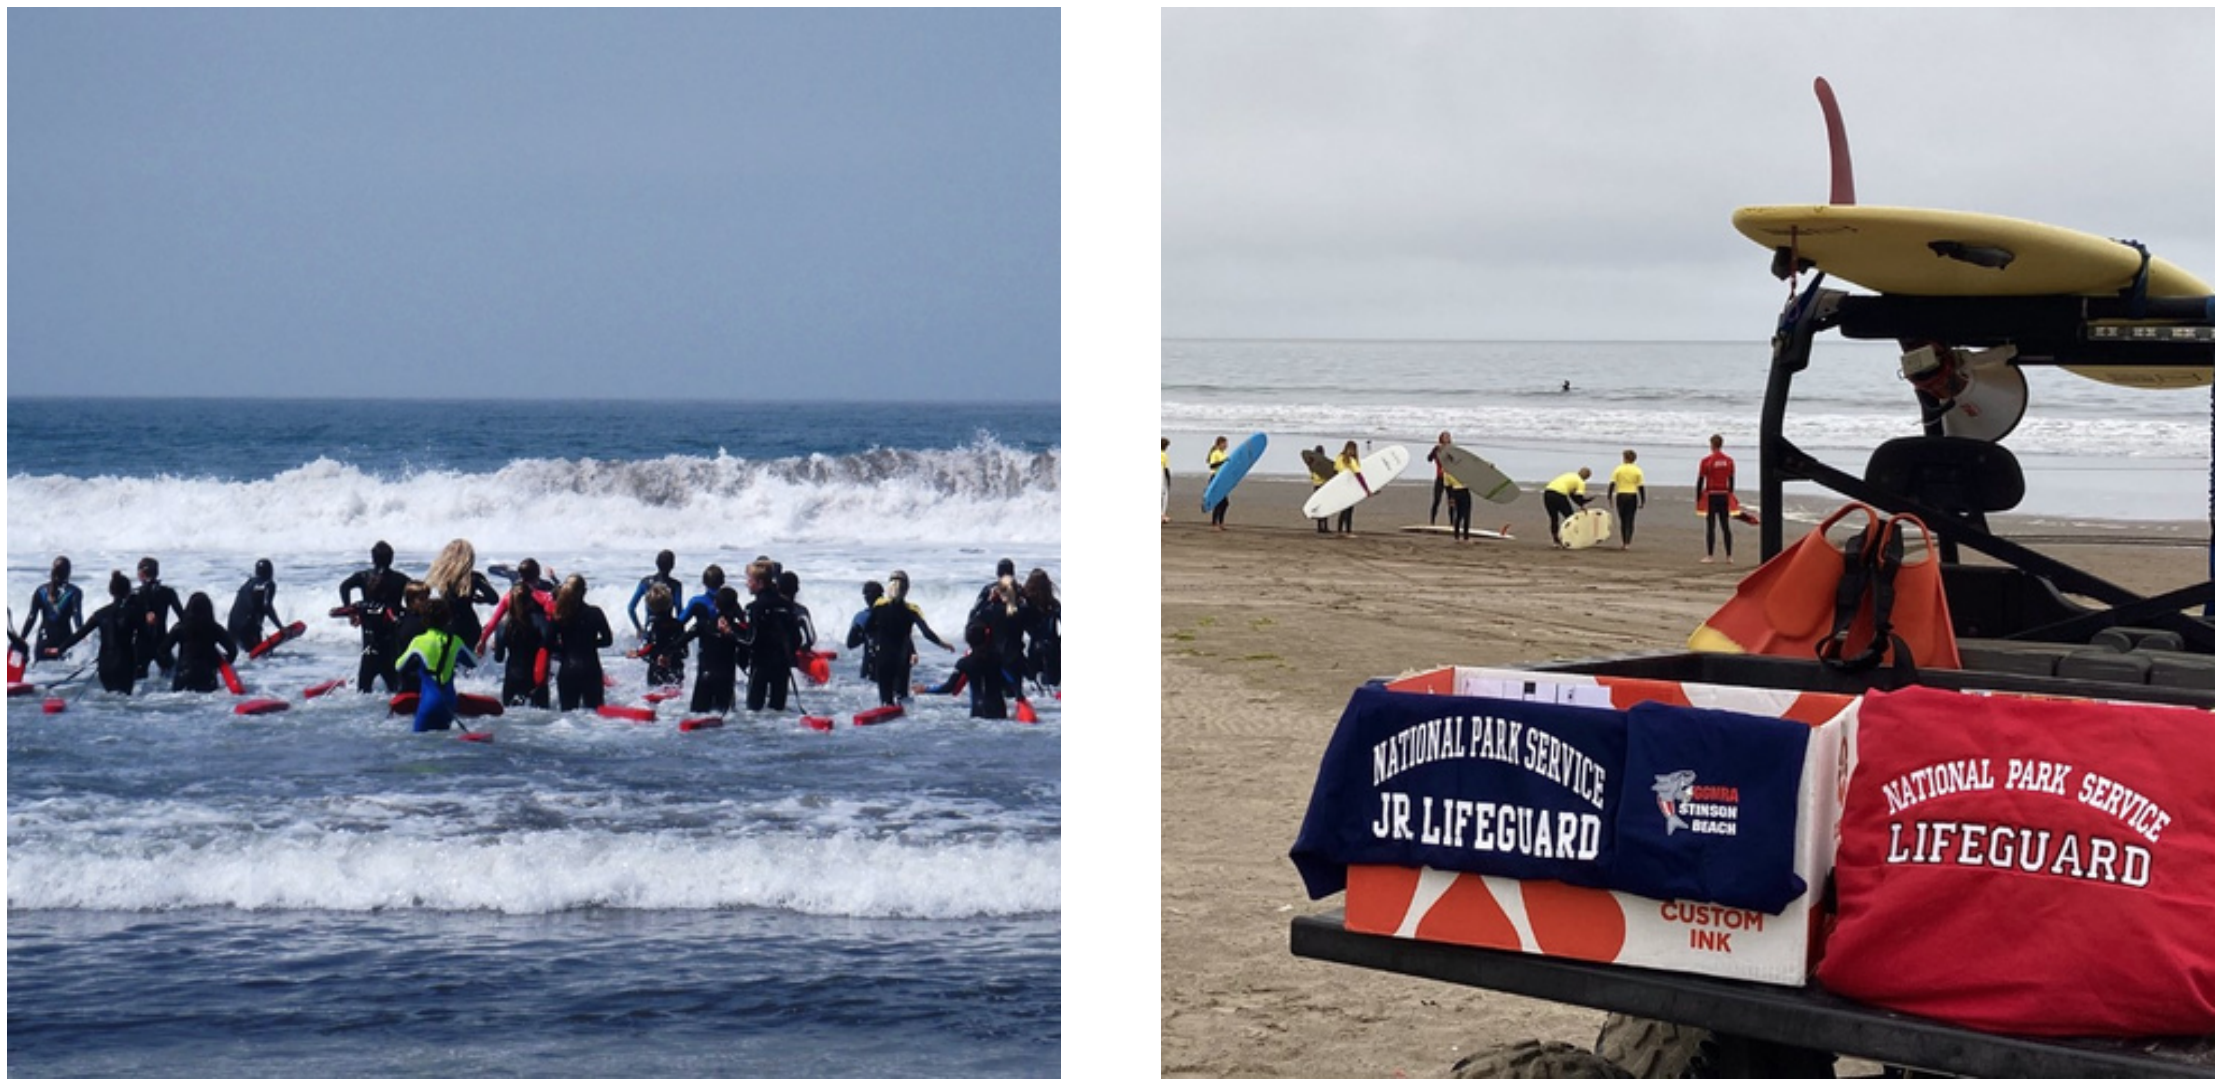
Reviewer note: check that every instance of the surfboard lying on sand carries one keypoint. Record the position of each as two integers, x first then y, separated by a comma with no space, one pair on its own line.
1586,527
1503,533
1232,471
1477,475
1349,489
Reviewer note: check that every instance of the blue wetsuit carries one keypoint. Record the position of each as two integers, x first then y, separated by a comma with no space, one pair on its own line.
436,654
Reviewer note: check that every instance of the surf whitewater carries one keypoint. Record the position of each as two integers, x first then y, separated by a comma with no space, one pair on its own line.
320,892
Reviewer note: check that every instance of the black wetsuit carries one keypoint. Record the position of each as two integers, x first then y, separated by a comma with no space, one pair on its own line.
258,597
576,654
117,624
149,645
641,591
1042,644
984,674
463,620
773,635
58,614
518,645
199,648
717,666
382,598
666,652
860,640
889,624
1007,634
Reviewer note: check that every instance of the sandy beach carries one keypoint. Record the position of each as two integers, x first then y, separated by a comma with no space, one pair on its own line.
1267,627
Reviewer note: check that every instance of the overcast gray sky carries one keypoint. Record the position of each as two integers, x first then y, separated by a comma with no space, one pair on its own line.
520,202
1569,174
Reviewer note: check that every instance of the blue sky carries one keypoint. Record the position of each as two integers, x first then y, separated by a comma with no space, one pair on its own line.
535,203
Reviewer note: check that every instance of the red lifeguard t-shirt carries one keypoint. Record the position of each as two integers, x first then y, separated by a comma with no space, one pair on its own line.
1715,472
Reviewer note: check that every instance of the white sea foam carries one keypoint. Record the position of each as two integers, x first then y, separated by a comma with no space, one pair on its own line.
212,858
985,492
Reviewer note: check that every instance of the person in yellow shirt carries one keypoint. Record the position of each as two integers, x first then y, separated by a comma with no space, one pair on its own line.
1347,461
1562,496
1214,458
1628,489
1320,470
1165,479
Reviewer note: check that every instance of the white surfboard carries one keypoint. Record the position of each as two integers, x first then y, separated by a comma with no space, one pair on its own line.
1348,489
1446,530
1477,475
1586,527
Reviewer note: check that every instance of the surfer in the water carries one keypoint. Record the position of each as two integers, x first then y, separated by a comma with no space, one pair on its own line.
1628,488
57,610
257,598
1214,458
1347,461
581,631
117,624
195,642
455,578
891,622
154,604
774,637
860,631
1717,480
378,613
706,602
1562,496
718,660
521,644
982,670
434,656
663,577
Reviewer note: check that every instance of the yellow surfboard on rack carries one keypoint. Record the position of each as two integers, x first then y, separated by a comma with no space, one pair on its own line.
1929,251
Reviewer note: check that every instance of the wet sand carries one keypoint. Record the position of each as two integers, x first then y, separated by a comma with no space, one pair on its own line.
1267,627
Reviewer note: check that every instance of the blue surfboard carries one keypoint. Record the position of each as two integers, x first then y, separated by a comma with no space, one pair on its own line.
1232,470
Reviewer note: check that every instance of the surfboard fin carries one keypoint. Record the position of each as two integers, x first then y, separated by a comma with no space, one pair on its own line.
1841,159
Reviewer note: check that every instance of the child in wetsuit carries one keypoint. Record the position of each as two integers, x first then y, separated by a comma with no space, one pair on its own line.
196,643
432,659
581,631
665,645
521,644
718,664
117,624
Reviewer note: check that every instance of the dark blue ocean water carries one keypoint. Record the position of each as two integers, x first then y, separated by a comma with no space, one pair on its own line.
321,892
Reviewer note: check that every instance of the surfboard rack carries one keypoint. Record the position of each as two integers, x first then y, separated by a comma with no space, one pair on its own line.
2031,599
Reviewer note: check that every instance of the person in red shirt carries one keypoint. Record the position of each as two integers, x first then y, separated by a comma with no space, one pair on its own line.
1717,479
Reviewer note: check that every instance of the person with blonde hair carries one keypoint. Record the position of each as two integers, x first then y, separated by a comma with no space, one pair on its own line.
455,578
891,623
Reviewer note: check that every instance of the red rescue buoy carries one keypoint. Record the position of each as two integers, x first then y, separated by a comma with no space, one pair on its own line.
823,725
627,713
261,706
22,687
54,706
314,690
693,724
1026,711
877,715
476,738
661,694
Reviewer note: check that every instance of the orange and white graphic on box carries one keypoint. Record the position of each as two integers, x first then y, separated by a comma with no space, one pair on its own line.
1622,692
1550,918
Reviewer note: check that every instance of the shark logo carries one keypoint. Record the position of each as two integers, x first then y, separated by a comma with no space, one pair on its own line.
1671,788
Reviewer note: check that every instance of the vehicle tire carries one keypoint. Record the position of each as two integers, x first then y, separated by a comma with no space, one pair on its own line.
1535,1060
1656,1049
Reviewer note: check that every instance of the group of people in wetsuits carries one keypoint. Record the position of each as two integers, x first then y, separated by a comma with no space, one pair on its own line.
136,632
418,632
